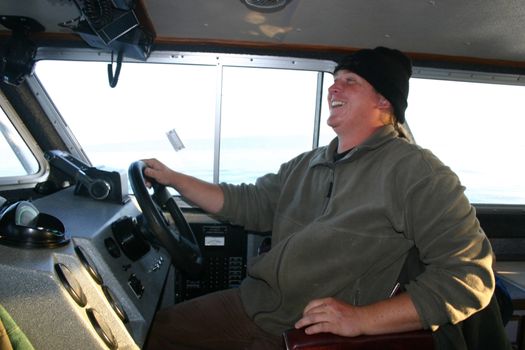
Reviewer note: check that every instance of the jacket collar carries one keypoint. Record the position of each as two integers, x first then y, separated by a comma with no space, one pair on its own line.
325,156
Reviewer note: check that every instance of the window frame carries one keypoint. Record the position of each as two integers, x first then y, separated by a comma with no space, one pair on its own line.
23,181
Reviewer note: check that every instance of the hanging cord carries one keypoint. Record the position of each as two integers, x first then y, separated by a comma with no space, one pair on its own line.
113,77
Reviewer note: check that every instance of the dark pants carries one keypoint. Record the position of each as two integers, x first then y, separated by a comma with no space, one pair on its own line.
215,321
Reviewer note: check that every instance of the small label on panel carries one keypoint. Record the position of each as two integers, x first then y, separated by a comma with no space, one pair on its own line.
214,241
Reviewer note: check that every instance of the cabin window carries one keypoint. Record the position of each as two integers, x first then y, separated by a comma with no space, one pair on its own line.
241,120
473,127
236,122
326,134
477,130
267,118
117,126
17,158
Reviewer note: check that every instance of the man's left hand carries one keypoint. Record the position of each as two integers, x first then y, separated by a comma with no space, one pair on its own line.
329,315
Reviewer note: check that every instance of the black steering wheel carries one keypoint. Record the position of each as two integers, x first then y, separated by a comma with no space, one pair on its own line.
179,241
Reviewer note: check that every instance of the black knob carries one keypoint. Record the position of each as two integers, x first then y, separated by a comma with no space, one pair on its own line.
127,233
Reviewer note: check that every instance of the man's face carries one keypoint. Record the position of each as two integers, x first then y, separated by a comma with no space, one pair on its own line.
352,102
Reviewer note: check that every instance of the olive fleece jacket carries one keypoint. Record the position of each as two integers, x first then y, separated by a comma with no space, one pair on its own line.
344,229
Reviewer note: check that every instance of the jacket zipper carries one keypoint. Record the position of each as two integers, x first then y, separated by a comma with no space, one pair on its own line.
328,193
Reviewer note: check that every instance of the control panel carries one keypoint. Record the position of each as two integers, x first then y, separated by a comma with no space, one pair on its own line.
224,249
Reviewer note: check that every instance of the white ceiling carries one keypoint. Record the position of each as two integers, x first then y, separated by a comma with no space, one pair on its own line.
485,29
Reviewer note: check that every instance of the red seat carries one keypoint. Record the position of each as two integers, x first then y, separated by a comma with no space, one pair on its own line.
296,339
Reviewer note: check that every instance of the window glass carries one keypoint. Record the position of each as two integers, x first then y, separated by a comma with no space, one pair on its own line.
17,159
117,126
268,117
477,130
326,133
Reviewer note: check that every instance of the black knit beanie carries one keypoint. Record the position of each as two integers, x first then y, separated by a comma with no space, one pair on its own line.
387,70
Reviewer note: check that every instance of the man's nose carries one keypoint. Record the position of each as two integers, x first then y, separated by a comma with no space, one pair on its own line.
333,88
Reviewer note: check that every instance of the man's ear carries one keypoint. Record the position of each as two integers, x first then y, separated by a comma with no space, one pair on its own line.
383,103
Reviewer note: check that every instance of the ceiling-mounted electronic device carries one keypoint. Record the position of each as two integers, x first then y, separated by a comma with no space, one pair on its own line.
17,56
121,26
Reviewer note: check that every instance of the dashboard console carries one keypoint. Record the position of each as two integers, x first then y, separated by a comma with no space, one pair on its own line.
93,292
81,268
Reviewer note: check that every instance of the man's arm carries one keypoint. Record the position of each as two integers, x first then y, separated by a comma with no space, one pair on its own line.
330,315
206,195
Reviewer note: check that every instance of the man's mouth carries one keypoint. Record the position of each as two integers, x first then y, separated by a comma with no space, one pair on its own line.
336,103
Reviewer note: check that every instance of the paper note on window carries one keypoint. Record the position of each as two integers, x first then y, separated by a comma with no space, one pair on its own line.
175,140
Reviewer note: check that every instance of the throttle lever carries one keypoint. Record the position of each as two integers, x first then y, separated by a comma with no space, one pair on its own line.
97,188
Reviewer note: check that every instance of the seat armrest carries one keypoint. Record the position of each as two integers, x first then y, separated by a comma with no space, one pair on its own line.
296,339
